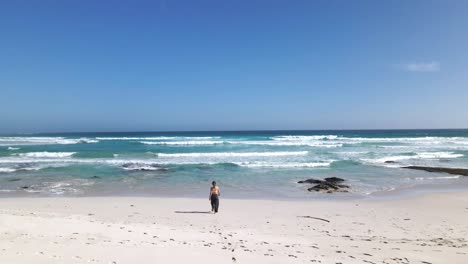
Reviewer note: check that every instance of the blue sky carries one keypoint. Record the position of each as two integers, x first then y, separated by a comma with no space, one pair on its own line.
232,65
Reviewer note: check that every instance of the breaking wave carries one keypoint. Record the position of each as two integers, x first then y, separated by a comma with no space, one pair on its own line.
12,148
7,170
420,155
437,178
24,141
283,165
156,138
323,144
357,140
289,138
141,167
181,143
438,155
234,154
46,154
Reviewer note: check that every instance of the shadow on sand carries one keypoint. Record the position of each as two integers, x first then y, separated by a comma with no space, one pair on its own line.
192,212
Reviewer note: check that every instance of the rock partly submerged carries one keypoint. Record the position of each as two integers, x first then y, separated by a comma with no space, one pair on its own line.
455,171
334,179
328,185
312,181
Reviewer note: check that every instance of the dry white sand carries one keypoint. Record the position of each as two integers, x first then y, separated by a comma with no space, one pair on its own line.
427,229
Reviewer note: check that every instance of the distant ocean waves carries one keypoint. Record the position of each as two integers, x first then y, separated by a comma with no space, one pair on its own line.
313,141
311,151
22,141
371,160
148,158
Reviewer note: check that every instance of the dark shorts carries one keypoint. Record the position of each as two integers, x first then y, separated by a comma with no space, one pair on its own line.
214,203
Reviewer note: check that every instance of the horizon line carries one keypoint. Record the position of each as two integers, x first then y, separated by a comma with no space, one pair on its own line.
220,131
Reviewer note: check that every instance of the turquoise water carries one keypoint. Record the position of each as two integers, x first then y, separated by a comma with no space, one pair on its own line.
246,164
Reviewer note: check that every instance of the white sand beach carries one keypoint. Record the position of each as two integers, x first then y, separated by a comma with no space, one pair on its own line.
426,229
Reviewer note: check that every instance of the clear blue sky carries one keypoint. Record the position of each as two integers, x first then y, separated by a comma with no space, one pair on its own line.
222,64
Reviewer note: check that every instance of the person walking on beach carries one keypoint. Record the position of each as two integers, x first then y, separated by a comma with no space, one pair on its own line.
214,197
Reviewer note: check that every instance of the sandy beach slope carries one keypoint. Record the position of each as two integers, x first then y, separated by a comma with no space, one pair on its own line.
427,229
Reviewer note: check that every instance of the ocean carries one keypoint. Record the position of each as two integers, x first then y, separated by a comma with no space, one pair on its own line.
251,164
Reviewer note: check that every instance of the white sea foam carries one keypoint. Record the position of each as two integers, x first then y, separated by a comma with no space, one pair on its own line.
438,155
437,178
73,186
283,165
319,144
396,147
61,188
420,155
156,138
23,160
400,139
57,162
301,138
24,141
46,154
409,141
153,165
352,153
233,154
134,138
12,148
6,170
86,140
33,168
141,167
389,158
181,143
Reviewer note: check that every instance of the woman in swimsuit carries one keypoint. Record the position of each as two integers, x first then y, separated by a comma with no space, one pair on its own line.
214,197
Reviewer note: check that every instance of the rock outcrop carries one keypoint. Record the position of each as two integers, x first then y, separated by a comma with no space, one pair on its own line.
455,171
312,181
328,185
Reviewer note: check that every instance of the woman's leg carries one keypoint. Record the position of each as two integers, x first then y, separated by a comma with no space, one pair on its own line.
216,204
212,203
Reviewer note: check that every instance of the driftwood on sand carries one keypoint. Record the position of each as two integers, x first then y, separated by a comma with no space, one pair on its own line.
318,218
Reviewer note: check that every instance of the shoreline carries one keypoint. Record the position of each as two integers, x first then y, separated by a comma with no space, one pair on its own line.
410,191
429,228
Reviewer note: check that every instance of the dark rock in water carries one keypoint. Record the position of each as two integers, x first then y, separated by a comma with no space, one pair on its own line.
334,179
314,181
390,162
323,186
328,185
455,171
24,187
95,177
